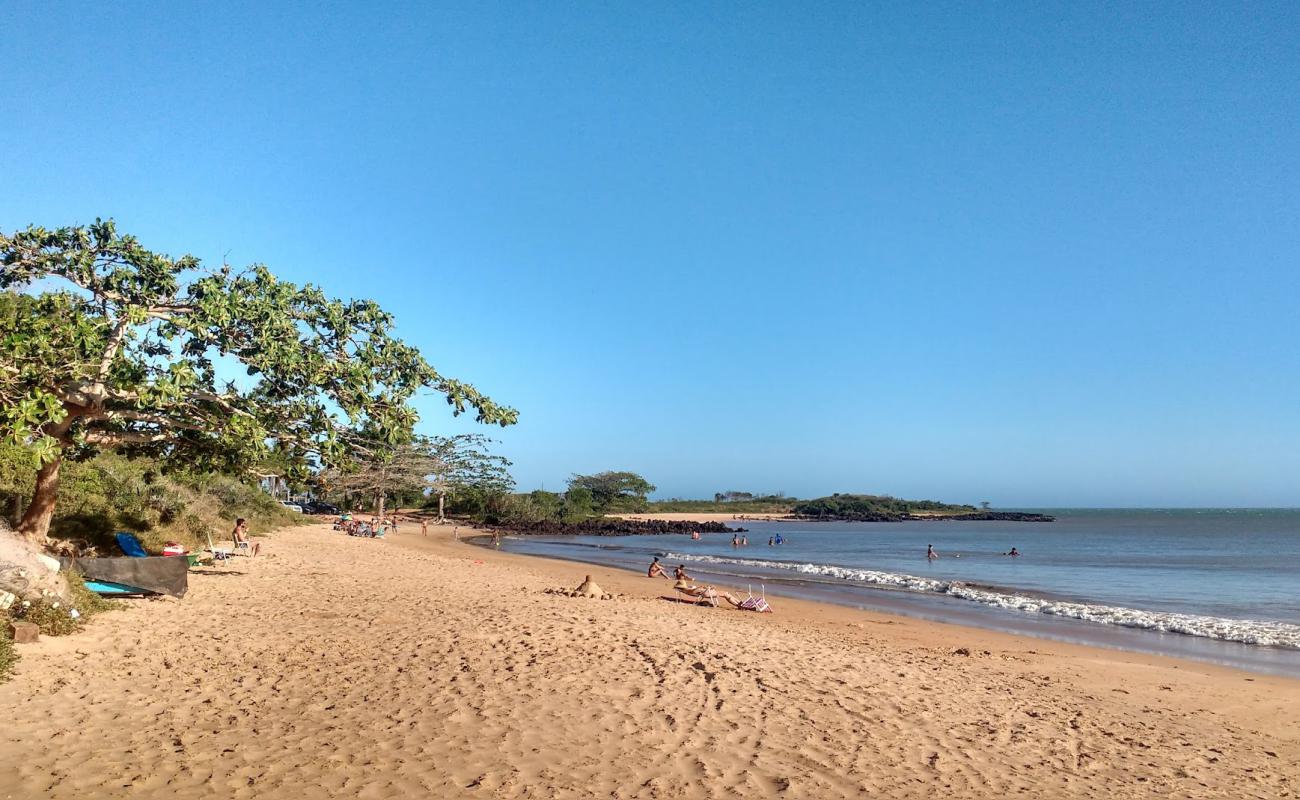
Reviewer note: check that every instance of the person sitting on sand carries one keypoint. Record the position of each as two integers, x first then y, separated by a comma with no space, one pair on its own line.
656,570
240,537
240,534
680,573
929,552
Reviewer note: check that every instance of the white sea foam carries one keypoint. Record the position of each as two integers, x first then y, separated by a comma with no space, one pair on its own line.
1261,632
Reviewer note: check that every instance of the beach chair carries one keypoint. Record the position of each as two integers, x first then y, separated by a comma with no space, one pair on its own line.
217,555
752,603
130,545
699,595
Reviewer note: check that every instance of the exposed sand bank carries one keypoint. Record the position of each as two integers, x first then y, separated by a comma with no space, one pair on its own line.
345,667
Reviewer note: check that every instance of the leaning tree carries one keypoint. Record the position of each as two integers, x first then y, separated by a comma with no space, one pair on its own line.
128,349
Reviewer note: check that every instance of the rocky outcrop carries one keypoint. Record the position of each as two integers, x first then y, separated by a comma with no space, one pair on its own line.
610,526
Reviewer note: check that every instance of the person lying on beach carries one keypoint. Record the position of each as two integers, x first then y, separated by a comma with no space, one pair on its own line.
656,570
704,592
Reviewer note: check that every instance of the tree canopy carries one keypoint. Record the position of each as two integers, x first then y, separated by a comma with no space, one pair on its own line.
610,489
126,353
436,464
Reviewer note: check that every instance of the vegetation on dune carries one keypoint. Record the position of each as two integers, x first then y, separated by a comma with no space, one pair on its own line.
8,656
848,505
110,493
726,503
587,496
614,491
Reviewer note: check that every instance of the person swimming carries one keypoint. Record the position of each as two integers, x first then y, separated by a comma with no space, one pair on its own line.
1012,552
770,541
929,552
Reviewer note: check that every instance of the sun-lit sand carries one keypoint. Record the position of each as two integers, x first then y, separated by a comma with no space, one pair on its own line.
412,667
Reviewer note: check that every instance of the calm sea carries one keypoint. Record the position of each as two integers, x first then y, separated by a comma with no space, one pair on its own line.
1217,584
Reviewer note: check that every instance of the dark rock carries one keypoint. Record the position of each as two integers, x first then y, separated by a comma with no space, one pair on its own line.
24,632
609,526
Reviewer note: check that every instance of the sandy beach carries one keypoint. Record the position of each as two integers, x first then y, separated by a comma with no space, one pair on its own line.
342,667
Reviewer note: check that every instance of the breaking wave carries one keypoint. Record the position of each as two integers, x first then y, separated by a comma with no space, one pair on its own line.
1258,632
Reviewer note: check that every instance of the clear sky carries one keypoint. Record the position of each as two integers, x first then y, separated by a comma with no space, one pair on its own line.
1032,253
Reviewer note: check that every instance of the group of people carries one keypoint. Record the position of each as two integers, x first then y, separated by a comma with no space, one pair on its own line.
932,555
684,584
373,528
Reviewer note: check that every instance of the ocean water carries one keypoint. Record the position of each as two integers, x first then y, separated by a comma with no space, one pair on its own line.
1219,585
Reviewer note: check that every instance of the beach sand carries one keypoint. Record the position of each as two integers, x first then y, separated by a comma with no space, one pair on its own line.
344,667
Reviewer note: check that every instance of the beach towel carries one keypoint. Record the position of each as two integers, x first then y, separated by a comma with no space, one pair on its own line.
130,545
156,575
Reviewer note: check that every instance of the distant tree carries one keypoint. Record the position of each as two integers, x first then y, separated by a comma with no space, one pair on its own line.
613,488
387,472
984,504
718,497
463,462
737,497
436,464
125,358
578,503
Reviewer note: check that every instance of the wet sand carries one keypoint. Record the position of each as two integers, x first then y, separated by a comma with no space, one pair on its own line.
344,667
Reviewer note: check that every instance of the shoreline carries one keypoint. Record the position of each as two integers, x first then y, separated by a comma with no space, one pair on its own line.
335,666
1052,630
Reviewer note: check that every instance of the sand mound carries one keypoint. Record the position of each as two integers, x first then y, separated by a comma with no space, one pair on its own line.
588,588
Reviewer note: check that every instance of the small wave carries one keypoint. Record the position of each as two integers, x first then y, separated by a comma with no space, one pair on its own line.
1246,631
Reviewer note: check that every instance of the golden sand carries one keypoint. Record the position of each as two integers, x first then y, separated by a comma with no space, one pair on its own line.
411,667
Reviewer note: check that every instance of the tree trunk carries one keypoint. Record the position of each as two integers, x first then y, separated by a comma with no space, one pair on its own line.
442,497
379,504
35,525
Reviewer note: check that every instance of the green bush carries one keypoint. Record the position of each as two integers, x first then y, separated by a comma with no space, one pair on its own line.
111,493
8,656
53,617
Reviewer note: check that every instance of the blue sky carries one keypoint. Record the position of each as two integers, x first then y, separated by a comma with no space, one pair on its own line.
1032,253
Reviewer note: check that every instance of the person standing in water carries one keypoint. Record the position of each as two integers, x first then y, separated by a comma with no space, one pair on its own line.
929,552
735,540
